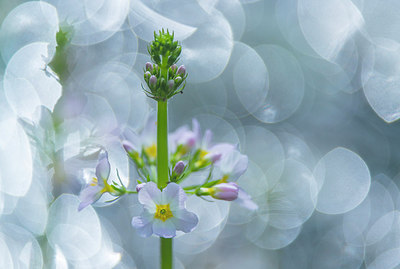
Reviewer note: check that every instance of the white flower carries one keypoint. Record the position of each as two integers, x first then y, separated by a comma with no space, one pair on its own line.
146,140
93,191
163,212
232,164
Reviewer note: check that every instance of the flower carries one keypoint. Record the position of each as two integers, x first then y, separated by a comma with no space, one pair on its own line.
209,153
140,186
183,139
93,191
163,211
231,166
232,163
146,140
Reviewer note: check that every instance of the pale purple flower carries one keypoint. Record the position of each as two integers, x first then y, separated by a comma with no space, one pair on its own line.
183,137
94,190
146,139
232,163
128,146
217,152
164,211
225,191
140,186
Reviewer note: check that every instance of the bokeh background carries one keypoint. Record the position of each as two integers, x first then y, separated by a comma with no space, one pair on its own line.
308,89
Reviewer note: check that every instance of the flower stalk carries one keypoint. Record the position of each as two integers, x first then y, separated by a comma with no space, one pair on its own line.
162,144
162,174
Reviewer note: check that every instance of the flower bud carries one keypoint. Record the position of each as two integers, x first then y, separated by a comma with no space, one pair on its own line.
225,191
178,81
147,75
173,67
152,81
181,70
155,67
132,153
162,82
171,84
140,186
179,168
149,67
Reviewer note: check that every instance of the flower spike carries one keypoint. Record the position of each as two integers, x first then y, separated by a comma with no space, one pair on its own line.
164,78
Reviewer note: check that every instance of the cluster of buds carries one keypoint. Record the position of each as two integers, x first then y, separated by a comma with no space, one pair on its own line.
164,48
163,77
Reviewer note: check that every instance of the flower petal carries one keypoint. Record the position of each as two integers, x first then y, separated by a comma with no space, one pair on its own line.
224,149
232,162
184,220
173,195
164,229
207,139
133,138
143,224
175,138
244,200
196,129
149,134
103,168
240,167
89,195
149,196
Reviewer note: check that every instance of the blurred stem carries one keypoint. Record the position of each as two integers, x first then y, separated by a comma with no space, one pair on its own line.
59,62
162,174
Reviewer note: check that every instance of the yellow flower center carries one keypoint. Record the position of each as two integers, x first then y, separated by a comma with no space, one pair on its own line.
151,151
201,162
183,150
163,212
107,187
224,179
203,153
94,182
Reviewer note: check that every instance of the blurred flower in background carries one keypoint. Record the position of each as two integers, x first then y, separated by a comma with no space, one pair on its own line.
306,89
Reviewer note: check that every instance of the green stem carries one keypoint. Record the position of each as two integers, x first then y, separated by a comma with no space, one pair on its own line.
162,145
166,253
162,174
